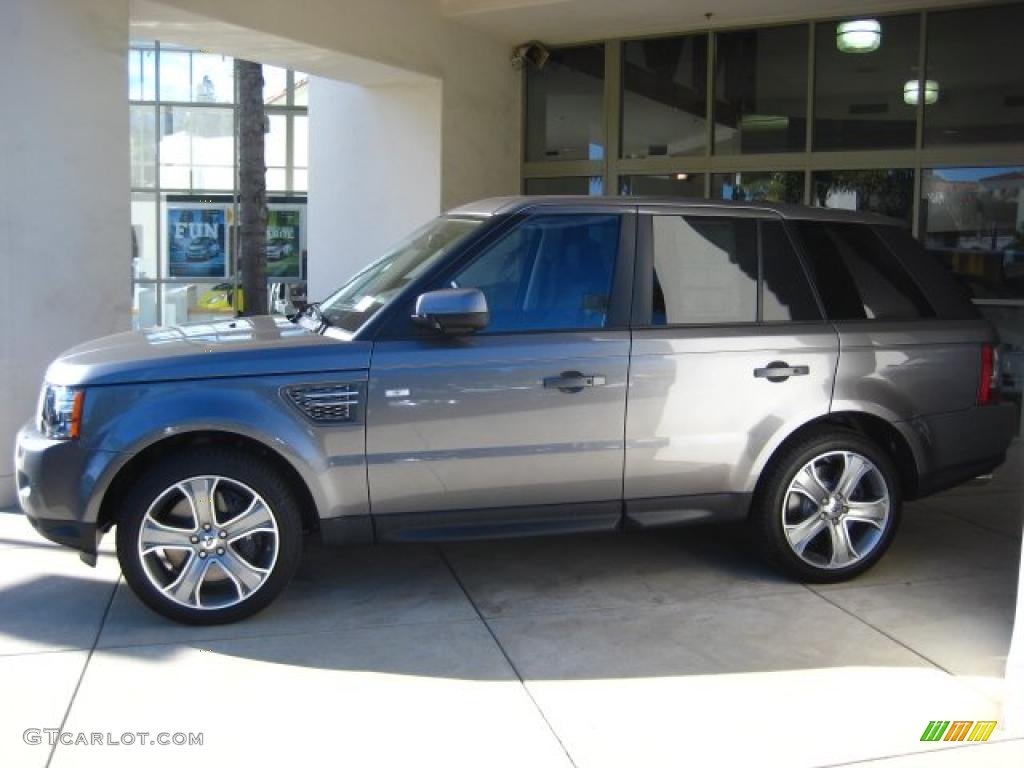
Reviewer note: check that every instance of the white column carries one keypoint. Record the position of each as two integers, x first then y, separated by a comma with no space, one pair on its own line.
64,198
1013,699
374,173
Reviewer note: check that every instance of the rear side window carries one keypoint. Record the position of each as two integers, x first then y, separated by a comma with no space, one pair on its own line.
705,270
857,276
950,299
786,294
708,270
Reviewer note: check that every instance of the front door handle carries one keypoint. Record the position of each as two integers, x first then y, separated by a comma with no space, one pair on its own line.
778,371
573,381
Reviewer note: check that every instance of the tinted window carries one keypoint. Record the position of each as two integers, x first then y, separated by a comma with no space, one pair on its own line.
664,96
761,90
786,295
565,106
705,270
857,276
862,66
551,272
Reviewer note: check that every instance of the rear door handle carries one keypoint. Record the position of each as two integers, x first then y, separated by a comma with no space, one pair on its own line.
574,381
778,371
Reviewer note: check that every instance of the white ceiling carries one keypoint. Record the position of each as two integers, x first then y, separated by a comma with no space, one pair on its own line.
562,21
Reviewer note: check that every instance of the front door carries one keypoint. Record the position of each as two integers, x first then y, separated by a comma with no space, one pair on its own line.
521,425
730,355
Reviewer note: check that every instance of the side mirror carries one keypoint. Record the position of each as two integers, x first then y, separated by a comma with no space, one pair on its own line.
452,311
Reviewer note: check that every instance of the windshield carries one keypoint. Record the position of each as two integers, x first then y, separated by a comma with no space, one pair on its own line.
360,298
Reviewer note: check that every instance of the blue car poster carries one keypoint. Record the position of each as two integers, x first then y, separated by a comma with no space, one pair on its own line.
196,240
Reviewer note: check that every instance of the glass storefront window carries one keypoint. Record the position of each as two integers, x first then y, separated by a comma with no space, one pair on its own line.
974,219
300,95
142,128
142,74
144,305
143,215
275,86
670,185
197,148
175,75
858,92
184,234
191,302
566,185
664,96
773,186
277,179
300,145
761,90
889,192
213,78
565,106
978,71
275,141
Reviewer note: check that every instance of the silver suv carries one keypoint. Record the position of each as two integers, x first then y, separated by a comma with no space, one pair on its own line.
524,366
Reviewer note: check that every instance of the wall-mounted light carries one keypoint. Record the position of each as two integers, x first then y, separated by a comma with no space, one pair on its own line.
859,36
682,176
912,89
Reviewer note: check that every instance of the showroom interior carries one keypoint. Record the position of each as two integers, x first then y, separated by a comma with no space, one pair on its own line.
120,206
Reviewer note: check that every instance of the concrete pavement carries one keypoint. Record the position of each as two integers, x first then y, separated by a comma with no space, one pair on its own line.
669,648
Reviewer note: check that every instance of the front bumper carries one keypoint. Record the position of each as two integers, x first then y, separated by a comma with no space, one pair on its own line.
55,481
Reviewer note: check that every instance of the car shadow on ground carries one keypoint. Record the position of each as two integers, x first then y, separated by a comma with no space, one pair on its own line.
640,604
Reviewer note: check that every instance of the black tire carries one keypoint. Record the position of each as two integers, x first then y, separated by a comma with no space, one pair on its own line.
246,469
767,513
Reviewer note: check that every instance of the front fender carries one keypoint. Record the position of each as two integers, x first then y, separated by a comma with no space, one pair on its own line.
124,420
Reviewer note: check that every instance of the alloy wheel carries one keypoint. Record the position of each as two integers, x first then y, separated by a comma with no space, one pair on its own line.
208,542
836,509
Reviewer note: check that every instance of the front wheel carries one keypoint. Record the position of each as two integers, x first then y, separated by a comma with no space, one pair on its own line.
209,537
830,507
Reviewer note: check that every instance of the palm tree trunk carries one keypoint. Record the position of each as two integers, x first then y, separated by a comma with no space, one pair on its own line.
252,187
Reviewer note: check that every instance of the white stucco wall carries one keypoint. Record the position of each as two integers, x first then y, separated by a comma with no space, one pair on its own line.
64,218
374,172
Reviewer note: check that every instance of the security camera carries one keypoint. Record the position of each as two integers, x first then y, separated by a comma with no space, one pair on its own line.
532,53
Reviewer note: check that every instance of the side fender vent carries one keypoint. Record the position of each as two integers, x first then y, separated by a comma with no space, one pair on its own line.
326,403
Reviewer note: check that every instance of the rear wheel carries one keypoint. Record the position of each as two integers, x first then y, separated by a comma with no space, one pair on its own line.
209,537
830,507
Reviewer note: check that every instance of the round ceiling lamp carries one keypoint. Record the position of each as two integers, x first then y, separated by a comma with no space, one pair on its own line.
912,91
859,36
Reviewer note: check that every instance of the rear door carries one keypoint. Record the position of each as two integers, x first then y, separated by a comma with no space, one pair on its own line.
730,354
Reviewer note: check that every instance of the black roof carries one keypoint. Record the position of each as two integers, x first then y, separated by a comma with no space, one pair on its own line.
494,206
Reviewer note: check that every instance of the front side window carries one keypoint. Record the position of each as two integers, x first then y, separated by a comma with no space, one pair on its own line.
359,299
858,278
551,272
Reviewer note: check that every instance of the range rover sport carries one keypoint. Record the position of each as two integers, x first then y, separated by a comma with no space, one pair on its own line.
524,366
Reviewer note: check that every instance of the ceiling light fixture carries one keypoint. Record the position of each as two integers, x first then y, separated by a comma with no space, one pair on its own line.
859,36
912,91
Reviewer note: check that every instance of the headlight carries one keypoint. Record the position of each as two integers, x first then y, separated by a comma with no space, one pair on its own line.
60,412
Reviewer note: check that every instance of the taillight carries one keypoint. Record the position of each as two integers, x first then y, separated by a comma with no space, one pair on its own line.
988,382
